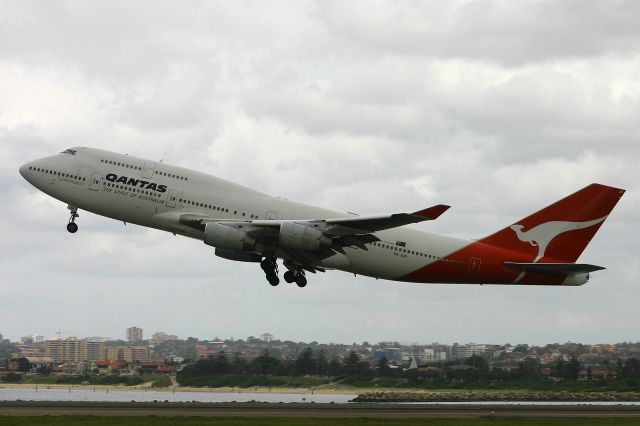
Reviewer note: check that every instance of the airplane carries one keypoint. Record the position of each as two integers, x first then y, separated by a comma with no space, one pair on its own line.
245,225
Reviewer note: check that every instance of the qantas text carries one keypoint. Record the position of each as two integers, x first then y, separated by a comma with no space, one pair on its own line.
112,177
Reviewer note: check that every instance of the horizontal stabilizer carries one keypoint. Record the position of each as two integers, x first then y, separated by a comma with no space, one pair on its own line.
553,268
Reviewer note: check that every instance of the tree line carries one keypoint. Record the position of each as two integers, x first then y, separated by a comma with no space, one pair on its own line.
352,369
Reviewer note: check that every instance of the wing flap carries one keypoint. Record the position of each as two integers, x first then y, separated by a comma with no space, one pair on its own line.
368,224
553,268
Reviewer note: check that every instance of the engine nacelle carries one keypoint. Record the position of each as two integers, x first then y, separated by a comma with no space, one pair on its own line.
226,237
296,236
238,255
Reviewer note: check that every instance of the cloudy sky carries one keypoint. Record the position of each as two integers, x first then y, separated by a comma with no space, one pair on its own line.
496,108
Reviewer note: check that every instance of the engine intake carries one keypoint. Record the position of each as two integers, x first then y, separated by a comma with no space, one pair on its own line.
226,237
296,236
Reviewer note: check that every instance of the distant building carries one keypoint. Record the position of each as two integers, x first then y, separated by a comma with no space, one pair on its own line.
134,334
129,353
74,349
27,340
393,355
470,349
266,337
37,338
205,352
161,336
36,363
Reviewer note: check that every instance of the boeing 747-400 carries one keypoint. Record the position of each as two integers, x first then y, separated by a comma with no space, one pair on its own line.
245,225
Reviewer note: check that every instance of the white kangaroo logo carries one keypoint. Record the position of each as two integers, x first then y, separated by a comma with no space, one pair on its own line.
540,236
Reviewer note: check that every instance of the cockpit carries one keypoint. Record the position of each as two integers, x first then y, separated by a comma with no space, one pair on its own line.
69,151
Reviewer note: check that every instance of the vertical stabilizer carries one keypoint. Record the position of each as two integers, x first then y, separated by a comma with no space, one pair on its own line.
561,231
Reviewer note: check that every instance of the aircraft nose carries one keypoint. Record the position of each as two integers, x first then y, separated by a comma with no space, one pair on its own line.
23,169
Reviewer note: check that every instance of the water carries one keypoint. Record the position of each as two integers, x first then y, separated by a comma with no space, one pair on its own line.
125,395
101,394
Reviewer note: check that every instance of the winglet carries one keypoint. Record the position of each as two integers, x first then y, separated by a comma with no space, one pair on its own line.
432,212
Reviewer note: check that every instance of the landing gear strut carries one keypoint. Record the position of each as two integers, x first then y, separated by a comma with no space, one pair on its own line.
270,268
72,226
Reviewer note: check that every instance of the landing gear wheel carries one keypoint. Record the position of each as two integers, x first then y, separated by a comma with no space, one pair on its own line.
71,226
301,280
273,280
265,264
289,276
270,268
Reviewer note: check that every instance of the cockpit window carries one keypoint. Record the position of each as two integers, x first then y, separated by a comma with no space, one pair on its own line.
69,151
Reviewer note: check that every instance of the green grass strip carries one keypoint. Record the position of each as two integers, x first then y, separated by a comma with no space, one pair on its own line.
283,421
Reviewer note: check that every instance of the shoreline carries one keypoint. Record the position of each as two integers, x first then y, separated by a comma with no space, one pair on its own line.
171,389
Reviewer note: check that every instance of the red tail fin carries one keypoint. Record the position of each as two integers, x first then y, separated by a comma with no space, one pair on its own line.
561,231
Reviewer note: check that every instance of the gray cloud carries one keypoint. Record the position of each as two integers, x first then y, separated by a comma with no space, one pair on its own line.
495,108
487,30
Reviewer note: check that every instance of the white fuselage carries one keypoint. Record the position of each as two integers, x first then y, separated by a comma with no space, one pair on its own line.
155,195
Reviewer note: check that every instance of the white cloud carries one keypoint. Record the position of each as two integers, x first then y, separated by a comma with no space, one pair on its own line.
497,108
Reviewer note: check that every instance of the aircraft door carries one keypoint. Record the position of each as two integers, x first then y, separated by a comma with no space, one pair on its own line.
271,215
474,266
94,181
172,198
148,169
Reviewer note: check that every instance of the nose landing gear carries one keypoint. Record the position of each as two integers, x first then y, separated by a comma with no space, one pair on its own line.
72,226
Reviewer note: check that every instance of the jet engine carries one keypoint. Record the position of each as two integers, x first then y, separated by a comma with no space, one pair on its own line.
296,236
226,237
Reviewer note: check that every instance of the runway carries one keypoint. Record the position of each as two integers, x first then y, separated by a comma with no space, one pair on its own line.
405,411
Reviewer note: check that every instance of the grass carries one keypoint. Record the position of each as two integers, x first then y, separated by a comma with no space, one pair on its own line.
281,421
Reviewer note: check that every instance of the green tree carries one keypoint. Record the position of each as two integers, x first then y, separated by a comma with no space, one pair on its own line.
221,364
382,367
355,367
238,364
523,349
529,369
23,365
558,368
477,362
335,367
305,364
572,369
631,369
352,364
322,363
264,364
11,377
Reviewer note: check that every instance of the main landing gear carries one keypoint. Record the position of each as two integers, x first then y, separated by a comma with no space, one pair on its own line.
270,268
297,276
72,226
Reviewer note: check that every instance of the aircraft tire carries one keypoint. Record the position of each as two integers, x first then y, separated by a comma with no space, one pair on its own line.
301,281
289,276
273,279
72,227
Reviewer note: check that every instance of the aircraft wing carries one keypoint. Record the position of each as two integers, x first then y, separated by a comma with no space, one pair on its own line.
367,224
340,227
354,231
